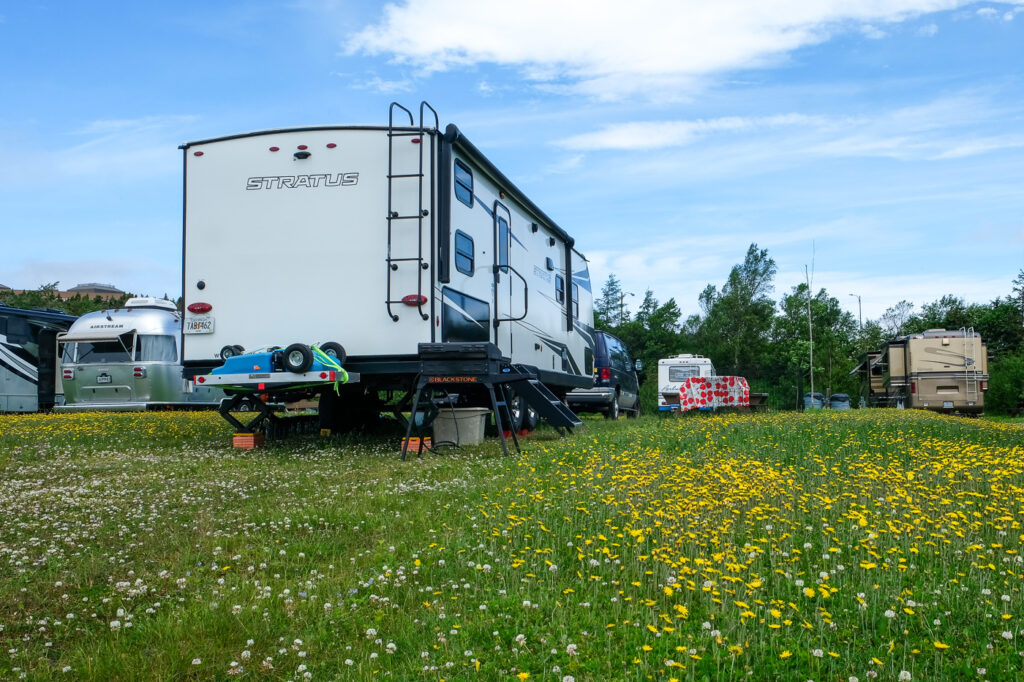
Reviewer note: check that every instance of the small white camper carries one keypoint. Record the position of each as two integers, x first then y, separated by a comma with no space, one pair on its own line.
674,371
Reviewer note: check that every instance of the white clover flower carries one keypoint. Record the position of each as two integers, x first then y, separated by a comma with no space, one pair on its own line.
349,661
197,661
571,650
520,639
889,613
817,653
115,625
1007,635
904,676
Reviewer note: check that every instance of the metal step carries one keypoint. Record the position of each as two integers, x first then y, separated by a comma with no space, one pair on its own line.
547,405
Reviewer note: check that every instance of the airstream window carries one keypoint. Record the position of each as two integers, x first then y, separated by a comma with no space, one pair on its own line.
464,253
156,348
97,352
463,183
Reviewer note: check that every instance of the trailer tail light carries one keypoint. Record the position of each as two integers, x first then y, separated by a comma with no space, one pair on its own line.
199,308
414,299
605,374
68,374
200,380
913,387
138,372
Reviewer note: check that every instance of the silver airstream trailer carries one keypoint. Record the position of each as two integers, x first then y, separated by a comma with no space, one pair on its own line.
129,359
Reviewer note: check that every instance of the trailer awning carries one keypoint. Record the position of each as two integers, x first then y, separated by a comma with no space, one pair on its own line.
92,336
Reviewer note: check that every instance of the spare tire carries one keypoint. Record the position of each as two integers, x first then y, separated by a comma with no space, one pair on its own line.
297,358
335,350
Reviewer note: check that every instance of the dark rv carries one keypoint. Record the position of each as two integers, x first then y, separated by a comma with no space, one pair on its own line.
28,358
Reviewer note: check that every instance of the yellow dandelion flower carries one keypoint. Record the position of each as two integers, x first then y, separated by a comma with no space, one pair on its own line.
785,654
523,676
940,645
809,591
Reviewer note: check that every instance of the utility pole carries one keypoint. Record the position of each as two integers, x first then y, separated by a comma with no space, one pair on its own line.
810,331
622,300
860,318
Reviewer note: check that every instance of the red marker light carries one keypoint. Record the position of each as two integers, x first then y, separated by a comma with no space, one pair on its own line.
331,145
275,149
197,153
414,299
415,140
302,146
323,375
199,308
200,380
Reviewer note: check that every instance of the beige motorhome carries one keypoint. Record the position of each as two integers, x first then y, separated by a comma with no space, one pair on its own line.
945,371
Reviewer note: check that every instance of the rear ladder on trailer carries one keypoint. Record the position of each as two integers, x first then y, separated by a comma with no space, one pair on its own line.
397,221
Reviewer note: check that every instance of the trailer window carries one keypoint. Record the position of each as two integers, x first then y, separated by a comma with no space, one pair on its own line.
502,241
100,352
682,373
463,183
156,348
575,300
559,289
464,253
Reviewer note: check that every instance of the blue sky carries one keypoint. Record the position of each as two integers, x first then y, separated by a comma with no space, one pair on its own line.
883,142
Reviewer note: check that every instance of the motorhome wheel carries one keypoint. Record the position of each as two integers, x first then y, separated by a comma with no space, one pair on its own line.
297,358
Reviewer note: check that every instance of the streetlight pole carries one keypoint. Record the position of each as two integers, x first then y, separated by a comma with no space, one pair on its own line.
860,318
622,300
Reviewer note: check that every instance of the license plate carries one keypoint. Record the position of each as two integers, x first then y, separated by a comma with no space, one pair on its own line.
103,379
198,325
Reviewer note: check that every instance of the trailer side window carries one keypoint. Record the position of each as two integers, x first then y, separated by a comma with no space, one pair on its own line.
463,183
464,254
559,289
156,348
576,300
502,241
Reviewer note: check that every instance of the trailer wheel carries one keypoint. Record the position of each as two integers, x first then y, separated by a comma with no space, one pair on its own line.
230,352
335,350
297,358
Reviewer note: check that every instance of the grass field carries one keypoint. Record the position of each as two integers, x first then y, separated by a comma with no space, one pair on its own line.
834,546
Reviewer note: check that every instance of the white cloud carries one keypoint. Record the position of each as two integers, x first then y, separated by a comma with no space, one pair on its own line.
662,134
928,31
385,87
606,50
987,12
872,32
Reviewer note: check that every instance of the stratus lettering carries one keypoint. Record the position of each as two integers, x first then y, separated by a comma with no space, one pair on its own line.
296,181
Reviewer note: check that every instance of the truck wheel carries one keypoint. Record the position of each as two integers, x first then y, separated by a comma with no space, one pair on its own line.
297,358
613,409
335,350
635,412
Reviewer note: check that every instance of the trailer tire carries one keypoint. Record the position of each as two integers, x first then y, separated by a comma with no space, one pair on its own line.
297,358
230,352
335,350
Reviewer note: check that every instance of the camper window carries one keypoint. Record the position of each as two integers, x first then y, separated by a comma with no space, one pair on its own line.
502,241
463,183
18,331
97,352
576,300
682,373
155,348
464,254
559,289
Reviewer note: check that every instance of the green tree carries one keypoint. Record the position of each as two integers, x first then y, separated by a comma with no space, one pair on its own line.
653,334
735,329
609,312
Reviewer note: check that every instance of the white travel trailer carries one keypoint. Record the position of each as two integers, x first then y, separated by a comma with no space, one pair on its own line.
673,371
380,239
28,358
128,359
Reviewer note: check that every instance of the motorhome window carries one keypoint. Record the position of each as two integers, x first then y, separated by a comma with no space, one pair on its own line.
576,300
97,352
464,254
682,373
559,289
502,241
18,331
156,348
463,183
